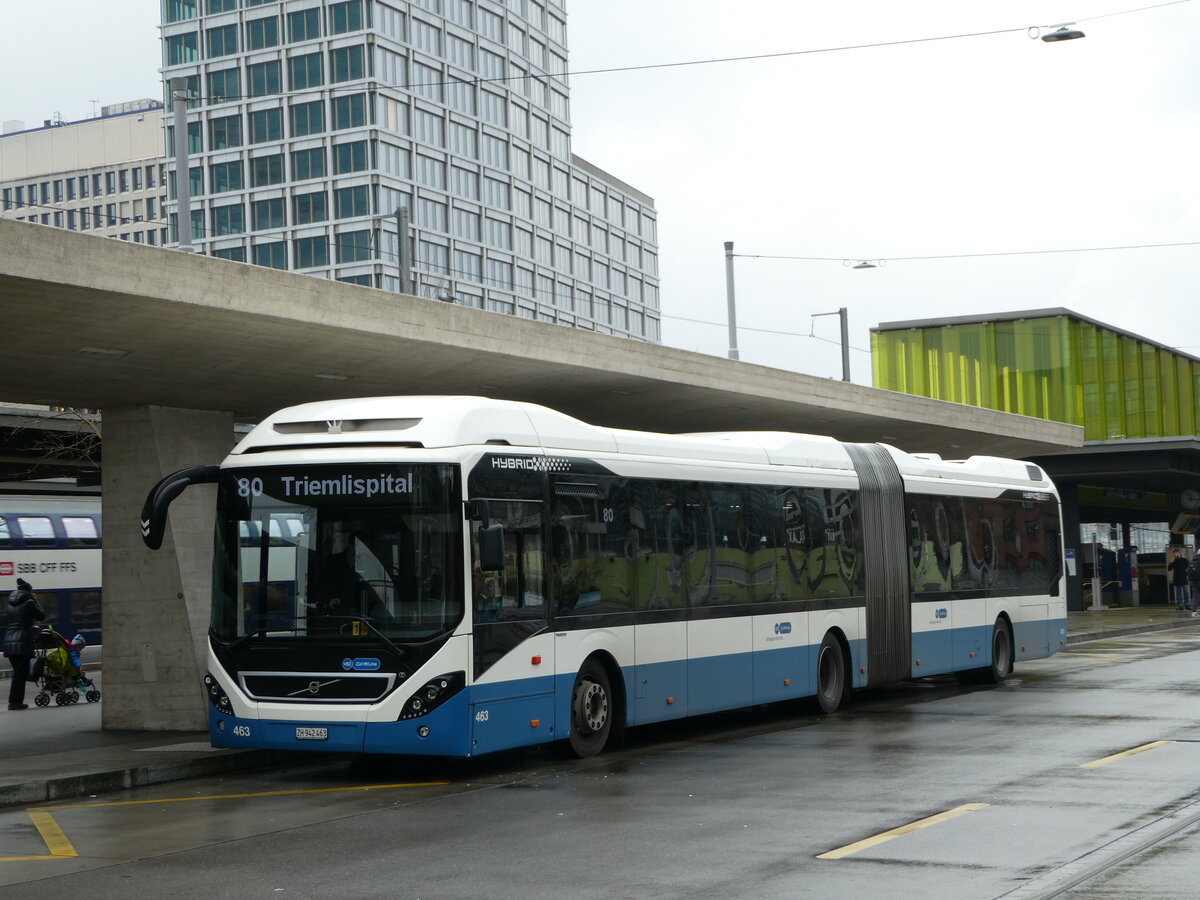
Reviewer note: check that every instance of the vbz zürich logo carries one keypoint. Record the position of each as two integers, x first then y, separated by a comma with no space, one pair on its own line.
783,627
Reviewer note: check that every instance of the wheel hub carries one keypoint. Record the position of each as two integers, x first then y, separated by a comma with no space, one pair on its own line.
593,706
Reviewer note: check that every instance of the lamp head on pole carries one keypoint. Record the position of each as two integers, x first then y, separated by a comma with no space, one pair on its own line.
1063,32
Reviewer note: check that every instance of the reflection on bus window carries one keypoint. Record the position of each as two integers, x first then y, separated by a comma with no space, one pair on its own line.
336,568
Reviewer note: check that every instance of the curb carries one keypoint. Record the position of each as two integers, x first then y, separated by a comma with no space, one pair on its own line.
72,786
1084,637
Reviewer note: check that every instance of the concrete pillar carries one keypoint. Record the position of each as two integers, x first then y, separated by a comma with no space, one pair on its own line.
155,625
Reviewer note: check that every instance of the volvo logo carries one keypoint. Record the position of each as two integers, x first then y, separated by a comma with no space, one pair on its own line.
314,687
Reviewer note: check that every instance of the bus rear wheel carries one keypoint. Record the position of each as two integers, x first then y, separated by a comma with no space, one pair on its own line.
831,674
1002,653
591,710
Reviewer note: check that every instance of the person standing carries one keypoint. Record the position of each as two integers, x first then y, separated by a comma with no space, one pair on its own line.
1179,580
23,611
1193,574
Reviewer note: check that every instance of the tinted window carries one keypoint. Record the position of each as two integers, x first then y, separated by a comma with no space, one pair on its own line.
1000,546
37,531
85,608
81,531
592,546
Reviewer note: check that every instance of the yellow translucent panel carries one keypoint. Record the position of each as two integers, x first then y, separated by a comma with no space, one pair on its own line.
1055,368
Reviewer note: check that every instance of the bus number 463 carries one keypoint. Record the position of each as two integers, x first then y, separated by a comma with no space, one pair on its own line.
481,715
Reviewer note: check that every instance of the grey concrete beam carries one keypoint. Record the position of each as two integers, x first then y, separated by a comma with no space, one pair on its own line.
106,324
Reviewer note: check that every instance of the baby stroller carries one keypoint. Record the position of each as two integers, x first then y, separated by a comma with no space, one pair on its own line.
56,670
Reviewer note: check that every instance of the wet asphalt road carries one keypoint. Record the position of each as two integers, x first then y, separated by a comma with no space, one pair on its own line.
1012,788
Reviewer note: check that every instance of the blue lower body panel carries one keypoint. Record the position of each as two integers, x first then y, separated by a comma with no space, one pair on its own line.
274,734
448,733
491,717
960,649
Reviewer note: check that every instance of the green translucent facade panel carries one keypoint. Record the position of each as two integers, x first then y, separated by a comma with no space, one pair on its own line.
1055,368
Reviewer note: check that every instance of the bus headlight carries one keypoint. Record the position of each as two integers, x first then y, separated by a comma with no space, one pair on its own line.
216,695
433,694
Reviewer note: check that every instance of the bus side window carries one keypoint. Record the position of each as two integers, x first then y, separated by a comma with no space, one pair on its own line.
5,533
517,592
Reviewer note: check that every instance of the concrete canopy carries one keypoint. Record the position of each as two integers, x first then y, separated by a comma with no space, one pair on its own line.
105,324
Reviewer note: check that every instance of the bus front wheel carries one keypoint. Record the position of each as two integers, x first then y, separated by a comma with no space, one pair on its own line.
831,674
591,710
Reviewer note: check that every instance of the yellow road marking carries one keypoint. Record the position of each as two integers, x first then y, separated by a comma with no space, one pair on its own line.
366,787
1136,750
878,839
60,846
56,842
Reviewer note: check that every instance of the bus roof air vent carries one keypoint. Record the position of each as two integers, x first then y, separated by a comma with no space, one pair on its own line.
577,489
344,426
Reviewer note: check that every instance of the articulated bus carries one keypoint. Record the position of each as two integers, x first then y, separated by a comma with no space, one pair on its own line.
54,542
457,575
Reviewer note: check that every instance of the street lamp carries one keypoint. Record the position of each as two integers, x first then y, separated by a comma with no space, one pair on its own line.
841,314
1063,33
733,348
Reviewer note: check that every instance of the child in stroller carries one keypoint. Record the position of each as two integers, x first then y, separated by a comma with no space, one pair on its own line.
57,670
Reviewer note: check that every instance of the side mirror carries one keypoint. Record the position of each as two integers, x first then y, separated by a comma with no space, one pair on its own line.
154,512
491,548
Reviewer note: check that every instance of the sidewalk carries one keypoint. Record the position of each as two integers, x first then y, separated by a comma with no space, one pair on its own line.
57,753
60,752
1114,622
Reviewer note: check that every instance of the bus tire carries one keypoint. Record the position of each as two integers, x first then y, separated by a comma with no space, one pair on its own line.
831,674
592,710
1002,653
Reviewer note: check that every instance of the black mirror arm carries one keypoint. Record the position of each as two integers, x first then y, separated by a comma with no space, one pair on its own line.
154,511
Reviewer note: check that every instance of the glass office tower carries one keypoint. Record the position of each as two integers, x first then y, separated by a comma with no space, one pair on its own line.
311,123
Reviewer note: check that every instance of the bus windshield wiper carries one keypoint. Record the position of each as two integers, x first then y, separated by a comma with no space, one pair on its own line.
366,620
245,637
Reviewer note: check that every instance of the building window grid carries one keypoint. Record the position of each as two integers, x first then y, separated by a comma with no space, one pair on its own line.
496,153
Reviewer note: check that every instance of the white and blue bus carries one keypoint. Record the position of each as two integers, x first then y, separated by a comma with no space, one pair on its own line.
458,575
54,543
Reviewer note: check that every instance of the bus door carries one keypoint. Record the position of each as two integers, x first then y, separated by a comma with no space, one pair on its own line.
720,637
657,514
512,698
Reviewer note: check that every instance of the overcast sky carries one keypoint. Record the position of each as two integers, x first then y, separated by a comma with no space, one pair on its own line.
974,145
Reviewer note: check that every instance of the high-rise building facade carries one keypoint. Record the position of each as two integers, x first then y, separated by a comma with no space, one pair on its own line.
311,123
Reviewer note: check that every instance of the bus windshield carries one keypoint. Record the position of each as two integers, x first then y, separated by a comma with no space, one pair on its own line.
341,552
